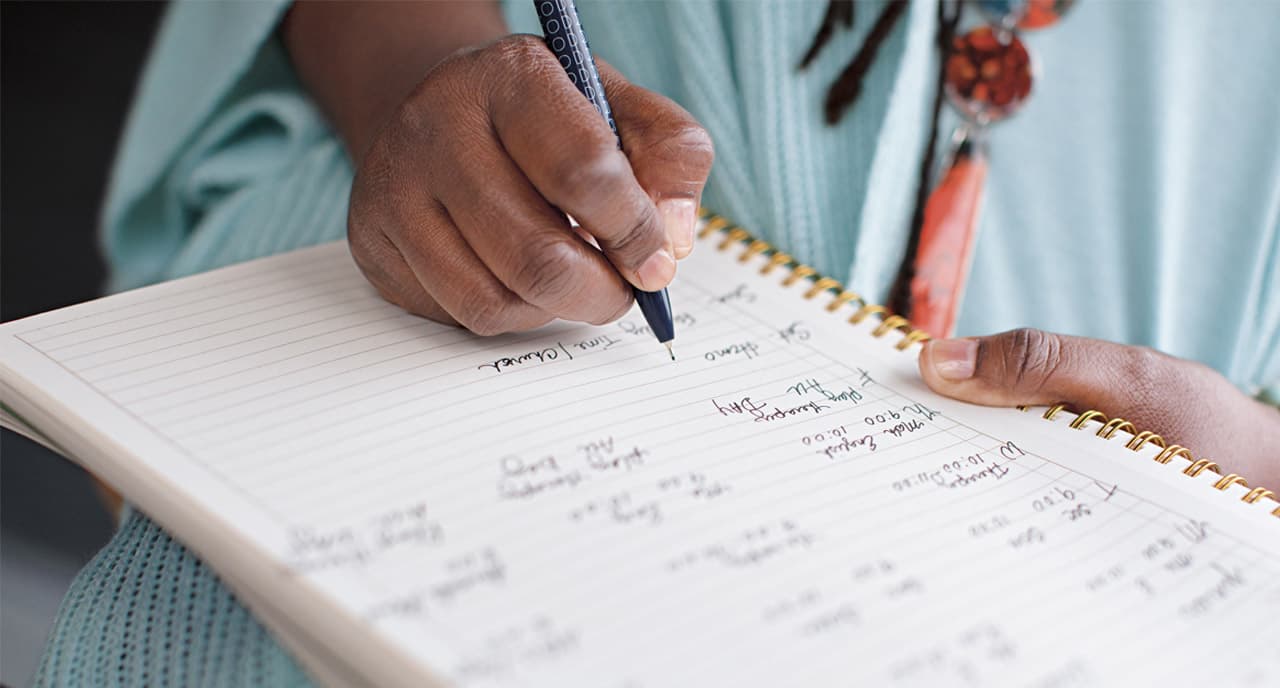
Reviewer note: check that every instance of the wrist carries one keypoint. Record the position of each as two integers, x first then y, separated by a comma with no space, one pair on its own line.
360,60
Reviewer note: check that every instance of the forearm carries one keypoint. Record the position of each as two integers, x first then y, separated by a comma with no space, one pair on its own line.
361,59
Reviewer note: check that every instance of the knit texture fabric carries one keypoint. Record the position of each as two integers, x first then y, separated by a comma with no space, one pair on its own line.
147,612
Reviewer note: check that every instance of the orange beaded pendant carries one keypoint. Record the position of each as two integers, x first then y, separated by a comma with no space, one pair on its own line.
946,238
988,76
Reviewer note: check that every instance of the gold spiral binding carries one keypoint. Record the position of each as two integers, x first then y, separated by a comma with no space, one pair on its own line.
889,322
841,299
733,236
911,338
714,223
1228,480
822,284
775,260
1200,466
757,246
1257,493
1140,439
799,271
1116,425
1086,417
1166,455
868,310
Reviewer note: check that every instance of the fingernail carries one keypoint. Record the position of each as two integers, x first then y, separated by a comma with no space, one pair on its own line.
657,271
954,359
679,216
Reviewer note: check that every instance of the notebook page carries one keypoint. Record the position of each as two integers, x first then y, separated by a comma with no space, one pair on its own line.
785,503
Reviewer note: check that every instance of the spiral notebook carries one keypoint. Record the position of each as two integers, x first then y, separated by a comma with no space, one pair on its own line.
405,504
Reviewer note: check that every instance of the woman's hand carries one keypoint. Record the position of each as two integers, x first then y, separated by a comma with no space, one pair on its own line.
469,158
458,210
1187,402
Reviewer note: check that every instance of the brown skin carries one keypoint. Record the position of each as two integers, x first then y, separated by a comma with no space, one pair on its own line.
1192,404
470,143
470,157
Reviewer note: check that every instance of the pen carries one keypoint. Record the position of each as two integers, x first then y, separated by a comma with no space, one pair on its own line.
563,31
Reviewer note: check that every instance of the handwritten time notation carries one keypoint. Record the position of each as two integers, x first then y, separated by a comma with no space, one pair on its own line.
783,504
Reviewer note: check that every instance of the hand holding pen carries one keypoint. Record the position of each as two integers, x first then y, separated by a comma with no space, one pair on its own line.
458,209
567,40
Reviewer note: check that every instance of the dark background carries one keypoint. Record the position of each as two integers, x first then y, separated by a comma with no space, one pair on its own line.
67,73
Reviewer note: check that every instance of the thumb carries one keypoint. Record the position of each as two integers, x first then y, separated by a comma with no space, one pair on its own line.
1031,367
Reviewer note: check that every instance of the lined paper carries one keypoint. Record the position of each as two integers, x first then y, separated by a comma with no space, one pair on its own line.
784,504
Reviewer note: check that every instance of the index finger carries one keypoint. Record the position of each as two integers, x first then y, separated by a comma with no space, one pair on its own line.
569,153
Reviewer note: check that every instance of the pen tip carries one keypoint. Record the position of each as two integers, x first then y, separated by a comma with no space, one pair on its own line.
669,351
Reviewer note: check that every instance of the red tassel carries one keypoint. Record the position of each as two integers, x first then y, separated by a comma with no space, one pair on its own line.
946,240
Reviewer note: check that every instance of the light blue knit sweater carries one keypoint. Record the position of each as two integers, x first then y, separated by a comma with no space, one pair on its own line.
1137,198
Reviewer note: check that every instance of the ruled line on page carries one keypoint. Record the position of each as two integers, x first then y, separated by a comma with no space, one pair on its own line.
413,324
212,288
167,328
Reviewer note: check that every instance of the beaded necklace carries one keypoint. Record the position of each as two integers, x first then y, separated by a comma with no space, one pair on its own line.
985,75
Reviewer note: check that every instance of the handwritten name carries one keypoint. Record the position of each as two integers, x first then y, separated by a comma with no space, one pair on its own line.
739,293
995,471
696,484
510,649
761,412
1227,583
551,353
779,413
847,445
522,480
813,387
621,509
940,476
602,342
469,572
906,428
312,549
749,548
921,410
642,330
748,349
795,332
844,615
627,460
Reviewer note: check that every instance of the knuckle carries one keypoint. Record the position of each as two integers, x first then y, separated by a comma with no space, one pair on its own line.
587,172
519,49
376,257
1141,365
1145,375
623,300
485,310
518,66
414,119
546,274
1031,358
643,236
374,181
688,144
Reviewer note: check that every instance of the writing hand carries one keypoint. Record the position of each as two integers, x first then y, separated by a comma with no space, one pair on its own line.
1189,403
458,209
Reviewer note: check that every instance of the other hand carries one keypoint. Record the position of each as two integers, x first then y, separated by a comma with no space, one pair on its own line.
1187,402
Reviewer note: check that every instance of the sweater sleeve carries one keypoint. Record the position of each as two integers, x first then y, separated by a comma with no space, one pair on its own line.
219,125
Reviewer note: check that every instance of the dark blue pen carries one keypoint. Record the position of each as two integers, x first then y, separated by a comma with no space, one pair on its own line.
563,31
